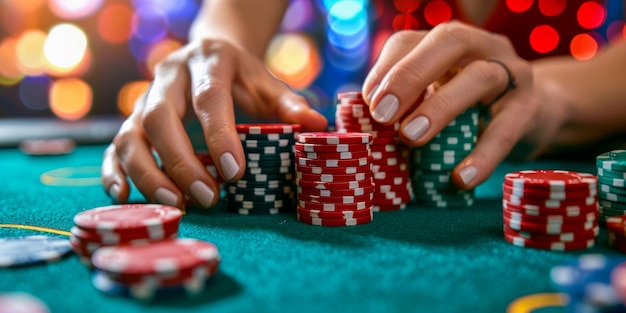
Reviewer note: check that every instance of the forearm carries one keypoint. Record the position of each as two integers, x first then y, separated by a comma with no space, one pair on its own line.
588,97
249,24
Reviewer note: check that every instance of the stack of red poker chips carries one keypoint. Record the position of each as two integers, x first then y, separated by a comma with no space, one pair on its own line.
550,209
122,224
390,157
334,178
145,271
616,231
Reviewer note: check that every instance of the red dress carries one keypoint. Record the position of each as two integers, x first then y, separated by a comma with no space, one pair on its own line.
537,28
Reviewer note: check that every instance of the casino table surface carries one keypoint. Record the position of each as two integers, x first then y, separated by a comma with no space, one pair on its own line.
414,260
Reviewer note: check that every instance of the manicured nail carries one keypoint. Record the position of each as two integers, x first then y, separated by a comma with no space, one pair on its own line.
386,109
202,193
166,197
372,93
229,165
114,193
416,128
468,174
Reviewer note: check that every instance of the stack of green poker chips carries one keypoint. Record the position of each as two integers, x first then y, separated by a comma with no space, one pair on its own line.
611,168
432,163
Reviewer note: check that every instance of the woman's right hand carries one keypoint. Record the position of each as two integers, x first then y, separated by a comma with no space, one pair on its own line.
209,76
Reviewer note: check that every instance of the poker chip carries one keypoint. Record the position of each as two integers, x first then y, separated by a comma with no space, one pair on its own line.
331,163
432,164
334,206
331,139
616,231
43,147
335,214
31,250
588,282
333,155
255,129
21,302
550,209
336,192
611,170
335,222
334,185
389,156
333,170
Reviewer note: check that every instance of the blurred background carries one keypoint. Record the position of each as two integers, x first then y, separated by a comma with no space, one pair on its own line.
85,60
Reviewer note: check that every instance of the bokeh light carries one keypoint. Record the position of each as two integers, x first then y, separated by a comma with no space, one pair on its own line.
128,95
437,12
614,31
299,14
9,71
294,58
551,7
406,6
149,24
519,6
115,23
30,57
70,98
583,47
591,15
544,38
73,9
65,46
405,21
25,6
34,92
348,24
159,51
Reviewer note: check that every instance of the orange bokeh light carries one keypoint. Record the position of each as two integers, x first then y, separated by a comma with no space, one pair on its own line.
25,6
8,61
115,23
30,57
159,51
70,98
128,95
583,47
295,59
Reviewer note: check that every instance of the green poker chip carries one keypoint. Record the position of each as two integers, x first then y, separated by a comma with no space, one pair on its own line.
612,189
613,160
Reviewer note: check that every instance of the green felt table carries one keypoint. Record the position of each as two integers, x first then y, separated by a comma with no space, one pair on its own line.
414,260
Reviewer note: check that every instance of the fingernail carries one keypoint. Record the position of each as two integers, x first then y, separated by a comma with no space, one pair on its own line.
386,109
372,93
416,128
114,193
202,193
166,197
468,174
229,165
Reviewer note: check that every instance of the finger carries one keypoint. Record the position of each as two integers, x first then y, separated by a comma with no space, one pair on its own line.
212,75
478,80
447,45
113,176
394,49
497,141
266,96
135,156
165,107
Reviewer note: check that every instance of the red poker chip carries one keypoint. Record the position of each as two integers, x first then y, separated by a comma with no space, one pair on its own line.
549,203
350,95
616,223
333,155
118,237
356,127
166,257
554,246
334,185
334,138
547,194
334,178
617,245
554,180
364,121
389,208
205,157
196,273
347,114
389,161
333,170
379,134
268,128
383,155
382,176
616,237
382,147
393,201
127,217
550,219
335,222
393,188
533,210
404,194
402,167
84,248
337,192
548,229
342,200
312,147
367,212
395,181
334,206
563,237
332,163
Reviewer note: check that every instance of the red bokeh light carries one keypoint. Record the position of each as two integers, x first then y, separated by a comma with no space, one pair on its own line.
551,7
583,47
437,12
591,15
406,6
405,21
544,38
519,6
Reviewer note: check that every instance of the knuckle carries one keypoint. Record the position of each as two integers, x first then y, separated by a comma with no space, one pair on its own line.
404,37
152,116
210,90
451,31
177,167
407,75
219,133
